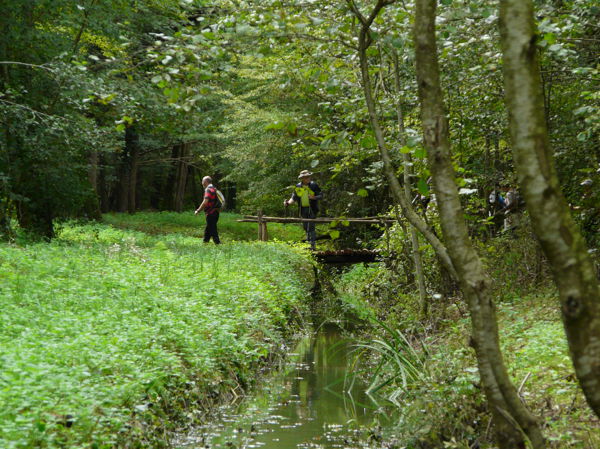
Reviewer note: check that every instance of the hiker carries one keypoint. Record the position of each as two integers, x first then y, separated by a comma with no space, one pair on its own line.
496,205
307,194
210,206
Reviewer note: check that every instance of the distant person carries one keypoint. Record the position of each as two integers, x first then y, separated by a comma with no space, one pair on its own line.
307,194
496,205
210,206
590,206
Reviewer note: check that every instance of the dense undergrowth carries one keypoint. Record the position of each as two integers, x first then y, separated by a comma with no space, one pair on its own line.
106,332
428,369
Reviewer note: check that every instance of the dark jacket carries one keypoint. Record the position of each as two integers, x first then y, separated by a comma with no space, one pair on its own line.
314,204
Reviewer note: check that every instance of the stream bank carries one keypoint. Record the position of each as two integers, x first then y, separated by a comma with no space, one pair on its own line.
312,401
313,398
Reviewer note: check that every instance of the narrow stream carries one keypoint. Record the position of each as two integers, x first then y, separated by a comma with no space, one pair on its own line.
311,403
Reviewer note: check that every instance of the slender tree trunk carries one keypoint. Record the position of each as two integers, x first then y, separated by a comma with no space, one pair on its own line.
84,23
475,284
414,236
559,236
169,185
181,172
93,170
364,41
103,187
133,151
92,205
123,178
194,186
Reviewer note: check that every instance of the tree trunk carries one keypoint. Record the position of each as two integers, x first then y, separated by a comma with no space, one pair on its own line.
194,186
103,189
92,204
123,177
181,172
169,186
36,218
93,170
414,237
559,236
505,403
133,150
364,41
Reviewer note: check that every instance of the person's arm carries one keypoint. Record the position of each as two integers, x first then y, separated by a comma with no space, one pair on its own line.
201,207
318,193
292,199
204,203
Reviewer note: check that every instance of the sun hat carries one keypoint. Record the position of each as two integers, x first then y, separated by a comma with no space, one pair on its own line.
304,174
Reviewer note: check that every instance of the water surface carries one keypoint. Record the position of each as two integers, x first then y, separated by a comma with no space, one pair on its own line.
313,402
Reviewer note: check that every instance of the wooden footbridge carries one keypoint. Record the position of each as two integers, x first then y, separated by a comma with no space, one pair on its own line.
343,256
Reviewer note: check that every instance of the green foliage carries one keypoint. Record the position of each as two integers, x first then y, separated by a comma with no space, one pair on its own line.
108,335
399,363
428,366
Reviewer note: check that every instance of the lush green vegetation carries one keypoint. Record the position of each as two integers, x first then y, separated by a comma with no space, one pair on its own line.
109,335
423,364
109,107
190,225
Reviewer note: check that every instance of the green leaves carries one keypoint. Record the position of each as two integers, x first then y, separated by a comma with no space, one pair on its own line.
368,142
275,125
423,187
154,315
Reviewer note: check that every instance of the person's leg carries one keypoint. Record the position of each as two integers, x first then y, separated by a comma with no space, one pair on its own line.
311,234
215,235
312,230
207,230
305,213
210,227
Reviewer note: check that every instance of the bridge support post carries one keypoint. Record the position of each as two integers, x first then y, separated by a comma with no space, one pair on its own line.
263,235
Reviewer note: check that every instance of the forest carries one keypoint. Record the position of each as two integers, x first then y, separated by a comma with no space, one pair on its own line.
462,136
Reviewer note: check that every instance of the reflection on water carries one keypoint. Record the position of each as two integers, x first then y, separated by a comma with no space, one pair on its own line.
312,403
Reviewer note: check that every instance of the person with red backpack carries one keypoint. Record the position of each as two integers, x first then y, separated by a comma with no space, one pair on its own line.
211,205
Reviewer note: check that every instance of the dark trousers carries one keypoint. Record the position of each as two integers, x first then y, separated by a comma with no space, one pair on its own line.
211,228
311,233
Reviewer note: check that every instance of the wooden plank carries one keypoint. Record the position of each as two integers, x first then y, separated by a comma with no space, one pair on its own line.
347,256
265,219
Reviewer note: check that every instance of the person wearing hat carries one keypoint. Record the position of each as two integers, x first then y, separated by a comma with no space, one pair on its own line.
307,194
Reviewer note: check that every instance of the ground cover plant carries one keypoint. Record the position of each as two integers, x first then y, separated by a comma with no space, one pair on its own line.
187,223
105,331
448,387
